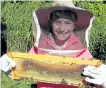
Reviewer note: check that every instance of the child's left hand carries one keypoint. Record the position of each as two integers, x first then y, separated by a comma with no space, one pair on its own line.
96,75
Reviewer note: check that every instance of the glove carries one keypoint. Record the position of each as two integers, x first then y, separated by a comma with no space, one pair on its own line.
6,63
96,75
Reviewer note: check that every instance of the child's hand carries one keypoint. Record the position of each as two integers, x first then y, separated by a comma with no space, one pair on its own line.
6,63
96,75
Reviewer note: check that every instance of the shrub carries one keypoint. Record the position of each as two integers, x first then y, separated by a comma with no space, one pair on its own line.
98,33
17,17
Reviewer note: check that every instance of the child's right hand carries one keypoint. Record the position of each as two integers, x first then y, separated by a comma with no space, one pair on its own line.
6,63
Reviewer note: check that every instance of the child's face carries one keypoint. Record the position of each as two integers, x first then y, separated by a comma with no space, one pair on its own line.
62,28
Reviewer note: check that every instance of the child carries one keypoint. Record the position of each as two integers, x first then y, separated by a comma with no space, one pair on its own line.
60,39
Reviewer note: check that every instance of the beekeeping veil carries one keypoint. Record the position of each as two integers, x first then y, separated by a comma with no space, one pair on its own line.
83,24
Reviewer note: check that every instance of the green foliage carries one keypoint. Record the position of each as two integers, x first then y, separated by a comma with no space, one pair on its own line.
9,83
98,33
17,17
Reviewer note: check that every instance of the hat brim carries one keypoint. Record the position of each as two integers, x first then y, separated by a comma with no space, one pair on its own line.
83,21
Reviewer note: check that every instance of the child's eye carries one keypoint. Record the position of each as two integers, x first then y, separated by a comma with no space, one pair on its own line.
56,22
68,22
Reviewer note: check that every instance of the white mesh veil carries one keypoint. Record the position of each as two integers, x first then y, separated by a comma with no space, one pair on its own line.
82,32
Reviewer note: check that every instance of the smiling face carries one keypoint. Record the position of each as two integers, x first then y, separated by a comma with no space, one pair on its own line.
62,28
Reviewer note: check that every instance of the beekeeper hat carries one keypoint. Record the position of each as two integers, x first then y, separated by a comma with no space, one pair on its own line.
83,23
